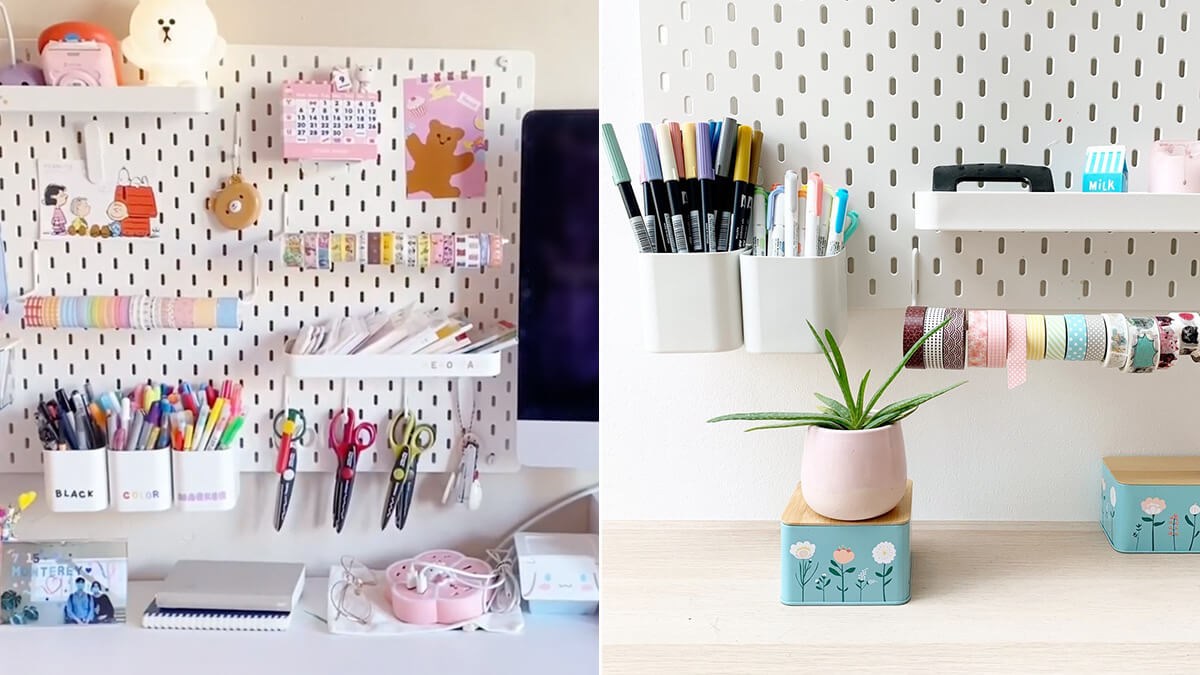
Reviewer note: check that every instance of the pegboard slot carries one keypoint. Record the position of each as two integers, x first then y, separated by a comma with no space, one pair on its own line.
1057,212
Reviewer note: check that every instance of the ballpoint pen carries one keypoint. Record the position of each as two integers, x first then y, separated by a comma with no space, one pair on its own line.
658,189
743,192
620,176
812,215
666,157
691,185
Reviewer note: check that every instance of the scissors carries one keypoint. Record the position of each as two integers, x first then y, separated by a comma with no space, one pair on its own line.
290,428
414,439
355,439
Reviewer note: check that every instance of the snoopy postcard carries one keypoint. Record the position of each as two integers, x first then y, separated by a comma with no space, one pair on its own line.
63,583
444,137
71,205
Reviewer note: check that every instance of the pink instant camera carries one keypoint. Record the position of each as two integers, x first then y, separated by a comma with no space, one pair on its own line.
78,64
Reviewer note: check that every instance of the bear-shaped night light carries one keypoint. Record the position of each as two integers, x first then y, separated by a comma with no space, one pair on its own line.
173,41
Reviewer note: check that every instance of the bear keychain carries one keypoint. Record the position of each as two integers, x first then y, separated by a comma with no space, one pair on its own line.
238,205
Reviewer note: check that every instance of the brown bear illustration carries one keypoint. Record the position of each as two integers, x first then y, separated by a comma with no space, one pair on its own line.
434,161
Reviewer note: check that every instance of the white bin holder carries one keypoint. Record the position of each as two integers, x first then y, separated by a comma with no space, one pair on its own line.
206,480
780,295
691,302
76,480
140,480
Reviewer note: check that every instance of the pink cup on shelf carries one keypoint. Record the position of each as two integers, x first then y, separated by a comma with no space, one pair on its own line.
1175,167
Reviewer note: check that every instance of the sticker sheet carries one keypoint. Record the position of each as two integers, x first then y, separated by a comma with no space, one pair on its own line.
71,205
445,144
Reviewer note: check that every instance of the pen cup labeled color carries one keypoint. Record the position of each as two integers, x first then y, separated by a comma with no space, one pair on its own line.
691,302
140,480
780,295
76,480
206,480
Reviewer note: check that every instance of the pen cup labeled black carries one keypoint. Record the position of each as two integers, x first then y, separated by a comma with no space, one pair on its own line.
206,480
691,302
780,296
76,480
140,480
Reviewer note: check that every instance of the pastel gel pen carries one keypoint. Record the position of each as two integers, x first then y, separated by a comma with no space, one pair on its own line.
658,189
666,156
743,191
620,176
812,214
691,185
791,233
724,172
837,222
775,229
708,187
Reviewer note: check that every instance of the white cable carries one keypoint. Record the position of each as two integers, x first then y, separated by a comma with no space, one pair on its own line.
12,41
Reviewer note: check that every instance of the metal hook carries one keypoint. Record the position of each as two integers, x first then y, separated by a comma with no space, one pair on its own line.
235,157
913,283
254,274
286,392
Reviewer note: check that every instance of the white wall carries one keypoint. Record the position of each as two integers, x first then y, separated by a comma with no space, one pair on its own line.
563,39
982,452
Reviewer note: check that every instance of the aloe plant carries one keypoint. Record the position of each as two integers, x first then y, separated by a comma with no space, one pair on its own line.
853,412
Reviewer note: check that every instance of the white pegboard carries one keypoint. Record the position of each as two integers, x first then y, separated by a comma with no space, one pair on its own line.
196,257
874,95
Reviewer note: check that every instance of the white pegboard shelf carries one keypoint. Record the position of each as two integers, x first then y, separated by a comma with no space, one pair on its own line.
94,100
393,366
1057,212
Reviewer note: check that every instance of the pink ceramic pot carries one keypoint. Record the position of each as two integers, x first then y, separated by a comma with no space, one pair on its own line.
853,475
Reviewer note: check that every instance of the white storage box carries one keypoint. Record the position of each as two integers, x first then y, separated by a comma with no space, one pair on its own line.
206,480
691,302
780,295
76,480
140,480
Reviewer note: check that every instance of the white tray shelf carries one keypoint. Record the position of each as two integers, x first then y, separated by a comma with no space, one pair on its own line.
1057,212
394,367
91,100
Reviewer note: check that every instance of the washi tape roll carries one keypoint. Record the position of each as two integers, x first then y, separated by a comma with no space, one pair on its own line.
33,312
1035,337
1056,337
1189,335
914,328
1168,342
997,355
933,346
1116,353
227,313
1077,336
1017,349
1144,340
978,327
1097,338
954,340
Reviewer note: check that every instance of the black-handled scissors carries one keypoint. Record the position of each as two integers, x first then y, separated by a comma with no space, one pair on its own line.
291,429
347,443
413,440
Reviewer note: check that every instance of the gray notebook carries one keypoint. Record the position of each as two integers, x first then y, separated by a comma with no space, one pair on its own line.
230,585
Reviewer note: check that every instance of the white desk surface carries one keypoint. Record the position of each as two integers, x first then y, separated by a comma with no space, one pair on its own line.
570,643
703,597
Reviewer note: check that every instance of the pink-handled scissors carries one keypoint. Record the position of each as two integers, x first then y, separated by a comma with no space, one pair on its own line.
354,440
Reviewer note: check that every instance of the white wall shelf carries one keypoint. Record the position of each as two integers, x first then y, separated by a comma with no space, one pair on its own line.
395,367
1057,212
93,100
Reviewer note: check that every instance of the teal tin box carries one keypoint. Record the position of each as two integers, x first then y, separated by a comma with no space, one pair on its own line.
1151,504
835,562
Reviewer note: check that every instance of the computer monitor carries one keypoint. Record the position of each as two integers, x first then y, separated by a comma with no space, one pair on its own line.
558,357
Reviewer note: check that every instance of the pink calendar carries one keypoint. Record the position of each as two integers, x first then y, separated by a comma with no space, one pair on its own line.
322,123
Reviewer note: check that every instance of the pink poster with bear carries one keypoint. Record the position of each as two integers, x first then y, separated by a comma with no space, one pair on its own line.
444,140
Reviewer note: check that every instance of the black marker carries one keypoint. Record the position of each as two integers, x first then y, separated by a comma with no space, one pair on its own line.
620,175
743,191
658,189
708,187
724,168
679,209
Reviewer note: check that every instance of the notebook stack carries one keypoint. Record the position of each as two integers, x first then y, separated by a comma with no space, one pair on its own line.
230,596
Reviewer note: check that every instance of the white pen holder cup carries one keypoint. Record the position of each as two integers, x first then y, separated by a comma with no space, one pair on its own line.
780,295
140,480
691,302
206,480
76,480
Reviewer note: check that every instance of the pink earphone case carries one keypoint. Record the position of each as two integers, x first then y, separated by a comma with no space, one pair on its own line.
446,600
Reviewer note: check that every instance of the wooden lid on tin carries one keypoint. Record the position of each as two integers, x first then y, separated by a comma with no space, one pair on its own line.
799,513
1129,470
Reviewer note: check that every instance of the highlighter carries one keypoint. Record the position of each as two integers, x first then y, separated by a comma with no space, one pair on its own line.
758,219
658,189
743,191
666,156
620,176
837,222
812,215
691,185
708,187
724,170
